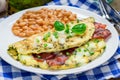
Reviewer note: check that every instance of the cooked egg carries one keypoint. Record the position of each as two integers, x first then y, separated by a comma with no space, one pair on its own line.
53,38
50,45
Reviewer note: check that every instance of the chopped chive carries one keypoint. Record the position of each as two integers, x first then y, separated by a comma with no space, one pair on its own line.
67,53
37,40
74,53
69,36
78,49
90,29
45,45
77,64
91,53
83,55
38,50
85,50
67,28
67,64
72,22
78,20
46,36
55,34
96,40
87,43
104,47
37,66
39,57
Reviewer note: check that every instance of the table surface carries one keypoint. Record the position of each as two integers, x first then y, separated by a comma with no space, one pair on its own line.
116,4
110,69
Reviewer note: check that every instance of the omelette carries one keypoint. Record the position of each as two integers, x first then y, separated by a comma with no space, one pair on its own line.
66,46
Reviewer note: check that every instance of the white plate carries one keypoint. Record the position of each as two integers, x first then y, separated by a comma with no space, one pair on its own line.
7,37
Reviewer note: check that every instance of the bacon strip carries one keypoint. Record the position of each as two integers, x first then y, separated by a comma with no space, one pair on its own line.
52,58
101,31
59,60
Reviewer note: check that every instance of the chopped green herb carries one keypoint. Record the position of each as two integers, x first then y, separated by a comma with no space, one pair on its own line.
38,50
35,48
37,66
87,43
24,61
96,40
78,20
77,64
59,26
67,28
55,34
38,57
90,29
104,47
72,22
79,28
74,53
63,47
91,53
46,36
83,55
78,49
67,53
85,50
37,40
67,64
45,45
69,36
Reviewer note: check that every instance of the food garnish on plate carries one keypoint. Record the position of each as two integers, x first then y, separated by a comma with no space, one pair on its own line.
66,46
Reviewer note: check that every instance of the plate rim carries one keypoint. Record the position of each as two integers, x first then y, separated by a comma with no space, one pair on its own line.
67,71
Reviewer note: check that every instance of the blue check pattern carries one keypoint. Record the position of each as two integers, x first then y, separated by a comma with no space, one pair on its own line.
109,69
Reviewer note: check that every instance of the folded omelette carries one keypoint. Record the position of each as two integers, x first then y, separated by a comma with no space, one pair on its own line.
64,47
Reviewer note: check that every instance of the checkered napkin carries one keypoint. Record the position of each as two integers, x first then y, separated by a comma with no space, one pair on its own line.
107,70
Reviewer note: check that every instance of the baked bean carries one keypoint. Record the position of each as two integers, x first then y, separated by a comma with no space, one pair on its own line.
65,19
16,32
20,29
33,22
15,28
24,27
45,27
22,34
50,27
34,27
71,17
22,24
31,32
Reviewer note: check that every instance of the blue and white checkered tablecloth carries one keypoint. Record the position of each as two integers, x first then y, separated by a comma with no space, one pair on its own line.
107,70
